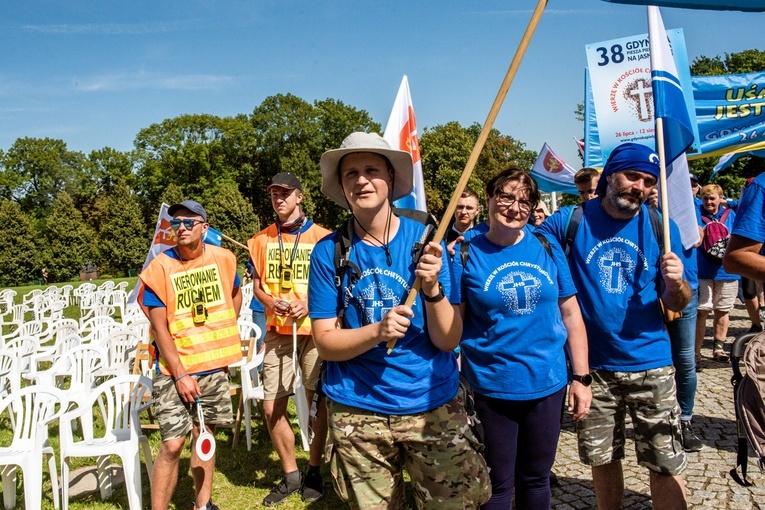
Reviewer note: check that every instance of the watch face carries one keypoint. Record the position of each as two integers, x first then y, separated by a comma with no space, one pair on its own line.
586,379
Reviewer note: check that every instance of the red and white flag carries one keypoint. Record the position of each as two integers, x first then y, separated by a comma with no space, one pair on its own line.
401,134
552,173
164,238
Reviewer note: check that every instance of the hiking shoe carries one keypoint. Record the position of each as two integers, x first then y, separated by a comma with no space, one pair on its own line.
313,487
282,491
755,329
691,443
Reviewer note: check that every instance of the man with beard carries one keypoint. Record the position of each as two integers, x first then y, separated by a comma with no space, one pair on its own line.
621,276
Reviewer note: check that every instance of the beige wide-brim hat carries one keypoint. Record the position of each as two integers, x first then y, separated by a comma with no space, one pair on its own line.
365,142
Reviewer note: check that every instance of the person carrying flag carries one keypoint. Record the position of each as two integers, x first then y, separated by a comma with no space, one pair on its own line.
403,409
280,255
191,295
621,276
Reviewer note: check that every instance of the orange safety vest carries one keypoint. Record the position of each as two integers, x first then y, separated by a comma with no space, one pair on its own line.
268,260
204,347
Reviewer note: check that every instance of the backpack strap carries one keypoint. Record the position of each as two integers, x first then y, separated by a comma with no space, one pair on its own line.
343,263
544,242
657,226
725,214
572,225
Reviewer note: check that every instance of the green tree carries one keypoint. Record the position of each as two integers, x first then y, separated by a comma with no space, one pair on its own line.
36,170
189,151
291,135
19,261
230,213
445,150
68,240
123,238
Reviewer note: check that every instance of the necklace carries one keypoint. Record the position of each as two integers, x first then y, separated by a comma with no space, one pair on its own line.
384,245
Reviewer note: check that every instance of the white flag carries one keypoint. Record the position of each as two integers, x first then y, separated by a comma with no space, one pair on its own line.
164,238
552,173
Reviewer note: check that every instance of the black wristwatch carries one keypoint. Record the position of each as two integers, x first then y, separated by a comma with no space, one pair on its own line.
585,379
435,299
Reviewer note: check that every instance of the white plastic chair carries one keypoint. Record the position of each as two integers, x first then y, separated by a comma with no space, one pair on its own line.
120,347
25,348
77,371
55,351
33,409
252,391
120,400
10,378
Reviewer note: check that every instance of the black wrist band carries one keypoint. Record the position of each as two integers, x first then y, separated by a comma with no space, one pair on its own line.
435,299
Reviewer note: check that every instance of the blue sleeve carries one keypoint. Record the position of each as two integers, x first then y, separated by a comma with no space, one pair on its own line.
322,293
150,299
733,205
750,221
237,280
554,227
566,286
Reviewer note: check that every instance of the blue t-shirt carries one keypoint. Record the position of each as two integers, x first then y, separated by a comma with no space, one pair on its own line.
416,376
709,269
477,230
151,300
615,266
750,221
513,339
255,305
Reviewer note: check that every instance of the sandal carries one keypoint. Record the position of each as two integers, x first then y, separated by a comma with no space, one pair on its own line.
718,354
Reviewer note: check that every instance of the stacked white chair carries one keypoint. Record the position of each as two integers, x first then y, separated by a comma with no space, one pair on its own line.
33,409
120,401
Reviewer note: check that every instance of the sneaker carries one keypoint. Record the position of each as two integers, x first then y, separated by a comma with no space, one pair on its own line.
691,443
208,506
282,491
313,487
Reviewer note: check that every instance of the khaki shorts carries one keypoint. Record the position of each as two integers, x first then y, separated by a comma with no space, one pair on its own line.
176,418
278,376
649,396
439,450
717,295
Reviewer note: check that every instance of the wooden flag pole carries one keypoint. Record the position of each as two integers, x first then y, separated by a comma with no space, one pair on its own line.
227,238
487,127
663,182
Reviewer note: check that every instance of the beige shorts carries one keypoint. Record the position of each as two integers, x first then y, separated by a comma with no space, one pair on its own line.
278,376
717,295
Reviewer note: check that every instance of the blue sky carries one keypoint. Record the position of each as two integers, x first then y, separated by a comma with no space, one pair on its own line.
93,73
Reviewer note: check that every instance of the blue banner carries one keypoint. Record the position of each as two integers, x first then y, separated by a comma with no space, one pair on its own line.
717,5
730,111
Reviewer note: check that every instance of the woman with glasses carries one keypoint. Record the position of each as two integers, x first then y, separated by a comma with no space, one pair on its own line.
521,319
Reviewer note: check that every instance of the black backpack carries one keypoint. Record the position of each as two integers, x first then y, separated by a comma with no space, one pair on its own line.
344,238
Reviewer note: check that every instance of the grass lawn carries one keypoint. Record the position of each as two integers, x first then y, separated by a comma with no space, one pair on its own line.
242,479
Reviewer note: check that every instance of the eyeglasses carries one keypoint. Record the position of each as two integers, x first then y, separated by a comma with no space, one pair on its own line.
187,222
506,200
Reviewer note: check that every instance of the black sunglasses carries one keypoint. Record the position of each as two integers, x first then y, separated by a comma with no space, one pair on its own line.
187,222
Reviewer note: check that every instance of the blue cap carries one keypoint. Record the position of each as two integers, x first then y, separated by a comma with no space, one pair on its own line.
191,205
629,156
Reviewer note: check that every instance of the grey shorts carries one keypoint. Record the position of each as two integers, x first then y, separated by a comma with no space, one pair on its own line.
176,418
650,398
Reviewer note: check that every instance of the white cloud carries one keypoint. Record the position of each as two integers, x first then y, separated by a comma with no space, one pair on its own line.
143,80
111,28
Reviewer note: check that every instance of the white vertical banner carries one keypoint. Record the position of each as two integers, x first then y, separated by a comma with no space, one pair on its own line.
401,134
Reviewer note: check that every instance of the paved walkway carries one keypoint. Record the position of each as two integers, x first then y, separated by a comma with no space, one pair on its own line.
709,484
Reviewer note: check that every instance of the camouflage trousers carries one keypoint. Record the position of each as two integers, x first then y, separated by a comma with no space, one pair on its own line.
437,447
650,398
177,418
